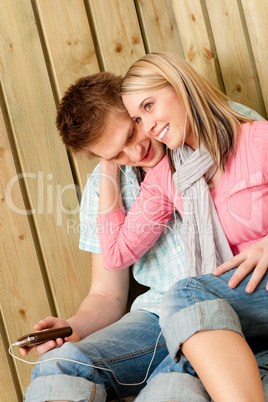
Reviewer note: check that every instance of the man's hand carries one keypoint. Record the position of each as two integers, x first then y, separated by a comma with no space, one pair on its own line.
253,257
50,323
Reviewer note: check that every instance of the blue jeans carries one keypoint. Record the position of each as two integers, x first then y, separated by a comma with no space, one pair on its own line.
206,303
126,347
172,381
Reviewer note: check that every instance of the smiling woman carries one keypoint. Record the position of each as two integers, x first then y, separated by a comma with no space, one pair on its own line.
211,142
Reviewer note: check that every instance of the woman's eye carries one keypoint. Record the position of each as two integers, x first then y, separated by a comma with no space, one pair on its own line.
138,120
148,106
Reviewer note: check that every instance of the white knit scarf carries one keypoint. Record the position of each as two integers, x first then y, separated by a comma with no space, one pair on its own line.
205,244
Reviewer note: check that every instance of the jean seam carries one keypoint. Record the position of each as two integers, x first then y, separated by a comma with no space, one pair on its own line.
260,354
195,303
205,288
200,317
118,359
130,356
93,392
189,290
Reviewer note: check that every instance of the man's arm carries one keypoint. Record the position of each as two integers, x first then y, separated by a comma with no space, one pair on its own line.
106,301
105,304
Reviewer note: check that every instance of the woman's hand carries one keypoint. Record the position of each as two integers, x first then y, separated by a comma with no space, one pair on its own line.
253,257
50,323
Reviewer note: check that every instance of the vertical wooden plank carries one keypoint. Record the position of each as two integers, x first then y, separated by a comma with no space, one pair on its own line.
7,388
118,34
256,14
50,188
196,38
160,29
23,304
71,53
69,41
234,54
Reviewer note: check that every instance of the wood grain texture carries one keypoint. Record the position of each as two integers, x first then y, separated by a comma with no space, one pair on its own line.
48,180
196,39
70,55
256,14
6,380
25,299
118,33
159,26
234,53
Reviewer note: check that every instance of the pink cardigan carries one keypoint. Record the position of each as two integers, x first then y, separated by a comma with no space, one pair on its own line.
240,198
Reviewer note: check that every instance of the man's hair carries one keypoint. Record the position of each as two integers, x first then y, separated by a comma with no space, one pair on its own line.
86,107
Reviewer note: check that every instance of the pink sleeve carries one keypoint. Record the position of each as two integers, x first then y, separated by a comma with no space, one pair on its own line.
260,136
124,239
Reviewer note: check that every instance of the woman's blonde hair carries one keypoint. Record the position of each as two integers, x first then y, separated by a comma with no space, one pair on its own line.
213,121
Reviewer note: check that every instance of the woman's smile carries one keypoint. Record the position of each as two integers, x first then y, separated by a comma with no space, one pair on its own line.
164,133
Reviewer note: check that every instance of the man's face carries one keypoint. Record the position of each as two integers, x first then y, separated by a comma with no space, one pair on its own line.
123,142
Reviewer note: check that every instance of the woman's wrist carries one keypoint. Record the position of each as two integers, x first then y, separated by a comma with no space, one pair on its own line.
110,192
109,167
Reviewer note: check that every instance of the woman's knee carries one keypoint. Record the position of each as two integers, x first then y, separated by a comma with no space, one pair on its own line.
183,294
191,300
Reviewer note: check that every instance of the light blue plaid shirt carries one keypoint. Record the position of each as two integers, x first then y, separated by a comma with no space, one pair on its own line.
163,264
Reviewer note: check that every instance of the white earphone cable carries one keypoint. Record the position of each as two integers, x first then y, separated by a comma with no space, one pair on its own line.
89,365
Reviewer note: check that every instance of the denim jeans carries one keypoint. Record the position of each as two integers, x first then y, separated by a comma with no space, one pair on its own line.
127,348
206,303
177,381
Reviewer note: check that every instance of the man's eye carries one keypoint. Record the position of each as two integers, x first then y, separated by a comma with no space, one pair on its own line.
117,157
138,120
132,134
148,106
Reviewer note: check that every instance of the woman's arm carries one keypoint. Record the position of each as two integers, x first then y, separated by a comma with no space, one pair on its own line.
110,197
255,257
124,239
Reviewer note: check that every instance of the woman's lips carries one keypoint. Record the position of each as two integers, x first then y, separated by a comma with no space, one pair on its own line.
164,133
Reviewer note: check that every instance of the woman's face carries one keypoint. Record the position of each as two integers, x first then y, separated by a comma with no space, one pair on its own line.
161,115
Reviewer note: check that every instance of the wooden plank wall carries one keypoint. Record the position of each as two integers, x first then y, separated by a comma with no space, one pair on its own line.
45,46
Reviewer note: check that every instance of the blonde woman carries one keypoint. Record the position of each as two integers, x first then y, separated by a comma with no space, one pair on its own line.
226,155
